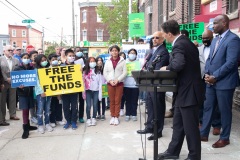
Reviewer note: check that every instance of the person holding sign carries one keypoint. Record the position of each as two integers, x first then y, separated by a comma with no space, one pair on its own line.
25,97
131,91
43,102
93,89
114,72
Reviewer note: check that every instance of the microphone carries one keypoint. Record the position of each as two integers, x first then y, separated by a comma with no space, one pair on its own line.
148,57
154,62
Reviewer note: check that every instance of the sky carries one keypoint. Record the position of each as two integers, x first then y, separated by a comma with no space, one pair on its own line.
53,15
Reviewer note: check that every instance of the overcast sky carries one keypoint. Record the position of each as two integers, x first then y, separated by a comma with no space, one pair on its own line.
52,14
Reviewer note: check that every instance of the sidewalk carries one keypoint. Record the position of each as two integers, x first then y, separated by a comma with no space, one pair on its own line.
102,142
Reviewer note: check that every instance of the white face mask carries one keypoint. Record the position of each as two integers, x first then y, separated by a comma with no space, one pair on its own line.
55,62
71,59
132,56
26,61
92,64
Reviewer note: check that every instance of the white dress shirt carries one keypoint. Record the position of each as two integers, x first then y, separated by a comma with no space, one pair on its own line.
9,61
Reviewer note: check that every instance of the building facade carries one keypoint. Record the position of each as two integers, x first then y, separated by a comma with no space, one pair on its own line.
4,40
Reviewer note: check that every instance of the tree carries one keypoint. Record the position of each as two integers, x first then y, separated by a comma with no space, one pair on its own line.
116,19
49,50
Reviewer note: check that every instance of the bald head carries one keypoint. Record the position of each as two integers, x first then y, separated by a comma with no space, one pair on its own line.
220,24
157,38
207,37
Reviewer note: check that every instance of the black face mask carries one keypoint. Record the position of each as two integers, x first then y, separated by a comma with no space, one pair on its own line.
207,42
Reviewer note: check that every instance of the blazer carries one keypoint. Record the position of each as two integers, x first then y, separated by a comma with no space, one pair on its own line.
185,61
5,68
224,64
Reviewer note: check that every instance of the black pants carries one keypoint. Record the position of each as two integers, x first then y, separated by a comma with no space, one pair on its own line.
131,96
70,107
56,110
80,106
103,107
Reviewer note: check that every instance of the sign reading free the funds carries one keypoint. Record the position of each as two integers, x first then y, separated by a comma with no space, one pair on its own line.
61,80
23,78
195,30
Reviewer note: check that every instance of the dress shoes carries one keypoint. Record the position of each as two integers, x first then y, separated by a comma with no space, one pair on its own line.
169,114
145,131
152,136
221,143
166,155
14,118
4,124
216,131
204,139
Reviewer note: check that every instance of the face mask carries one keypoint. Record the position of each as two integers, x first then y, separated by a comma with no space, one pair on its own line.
26,61
55,62
132,56
207,42
79,54
92,64
71,59
44,63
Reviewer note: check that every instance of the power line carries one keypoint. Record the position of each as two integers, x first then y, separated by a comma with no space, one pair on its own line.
11,9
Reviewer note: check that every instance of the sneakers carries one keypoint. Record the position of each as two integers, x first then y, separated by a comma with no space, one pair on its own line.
116,121
34,120
89,123
61,123
121,112
74,125
103,117
134,118
127,118
49,128
41,129
94,122
98,117
52,125
112,121
66,126
81,120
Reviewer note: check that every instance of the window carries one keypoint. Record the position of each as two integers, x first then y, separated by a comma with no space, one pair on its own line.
173,5
190,11
14,44
84,16
150,24
232,6
23,33
99,35
4,42
24,44
84,35
99,19
14,33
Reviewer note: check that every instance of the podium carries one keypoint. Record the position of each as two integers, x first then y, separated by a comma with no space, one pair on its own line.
156,81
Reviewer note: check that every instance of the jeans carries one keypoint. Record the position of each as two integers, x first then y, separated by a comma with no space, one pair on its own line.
70,107
131,95
56,110
91,96
43,108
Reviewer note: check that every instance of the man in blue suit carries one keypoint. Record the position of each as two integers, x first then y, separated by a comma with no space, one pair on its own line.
221,77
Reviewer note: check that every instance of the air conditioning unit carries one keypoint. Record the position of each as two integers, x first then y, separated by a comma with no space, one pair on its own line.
149,9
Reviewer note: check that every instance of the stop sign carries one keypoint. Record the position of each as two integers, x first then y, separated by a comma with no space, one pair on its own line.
29,48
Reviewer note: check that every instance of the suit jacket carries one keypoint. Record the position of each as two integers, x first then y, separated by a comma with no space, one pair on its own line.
5,68
161,50
224,64
185,61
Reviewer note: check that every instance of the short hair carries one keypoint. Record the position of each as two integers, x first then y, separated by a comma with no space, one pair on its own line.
185,32
68,51
40,49
24,54
140,40
52,55
114,46
132,49
171,26
122,53
33,52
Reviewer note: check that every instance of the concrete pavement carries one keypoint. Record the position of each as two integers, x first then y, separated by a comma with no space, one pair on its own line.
102,142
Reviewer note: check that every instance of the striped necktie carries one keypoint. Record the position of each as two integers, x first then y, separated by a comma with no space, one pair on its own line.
216,45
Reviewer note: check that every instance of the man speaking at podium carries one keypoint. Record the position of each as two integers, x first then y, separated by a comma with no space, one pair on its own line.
190,93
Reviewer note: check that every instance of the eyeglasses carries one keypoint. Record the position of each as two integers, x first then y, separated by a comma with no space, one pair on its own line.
18,49
10,50
156,37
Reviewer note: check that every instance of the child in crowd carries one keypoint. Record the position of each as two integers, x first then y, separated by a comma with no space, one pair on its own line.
56,101
43,101
100,66
93,89
25,97
70,100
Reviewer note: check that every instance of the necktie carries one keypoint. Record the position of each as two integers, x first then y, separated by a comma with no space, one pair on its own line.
216,45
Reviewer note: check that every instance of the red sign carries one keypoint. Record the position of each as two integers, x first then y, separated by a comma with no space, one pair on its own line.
29,48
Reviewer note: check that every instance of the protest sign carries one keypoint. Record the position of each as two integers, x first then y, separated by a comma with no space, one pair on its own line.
136,24
195,30
133,66
104,91
104,57
23,77
61,80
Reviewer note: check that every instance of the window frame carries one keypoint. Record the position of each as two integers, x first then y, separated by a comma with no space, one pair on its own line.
173,5
99,37
231,7
84,16
14,33
84,37
24,35
99,19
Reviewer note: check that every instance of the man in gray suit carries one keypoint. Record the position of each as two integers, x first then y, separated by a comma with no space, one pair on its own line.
8,63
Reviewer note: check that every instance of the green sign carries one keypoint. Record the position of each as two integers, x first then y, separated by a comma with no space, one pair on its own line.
131,66
28,21
104,91
136,25
195,30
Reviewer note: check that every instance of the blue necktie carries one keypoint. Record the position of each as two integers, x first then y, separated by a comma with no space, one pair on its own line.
216,45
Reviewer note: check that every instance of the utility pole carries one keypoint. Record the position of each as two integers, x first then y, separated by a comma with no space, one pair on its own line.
73,23
43,39
129,12
76,31
61,44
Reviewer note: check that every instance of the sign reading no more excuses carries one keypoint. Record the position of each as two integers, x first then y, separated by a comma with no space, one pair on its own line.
61,80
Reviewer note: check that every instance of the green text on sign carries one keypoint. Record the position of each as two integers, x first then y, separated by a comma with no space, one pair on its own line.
136,25
133,66
104,91
195,30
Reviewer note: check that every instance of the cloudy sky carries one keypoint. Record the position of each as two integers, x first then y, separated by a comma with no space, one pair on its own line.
51,14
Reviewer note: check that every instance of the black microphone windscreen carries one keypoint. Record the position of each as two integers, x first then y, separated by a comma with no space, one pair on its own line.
148,56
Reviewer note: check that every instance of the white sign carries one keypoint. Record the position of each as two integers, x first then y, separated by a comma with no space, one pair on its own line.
213,6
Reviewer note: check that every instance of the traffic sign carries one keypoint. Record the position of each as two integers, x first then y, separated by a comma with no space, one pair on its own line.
29,48
28,21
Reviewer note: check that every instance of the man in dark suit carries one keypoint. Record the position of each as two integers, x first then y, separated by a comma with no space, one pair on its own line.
221,76
159,49
189,96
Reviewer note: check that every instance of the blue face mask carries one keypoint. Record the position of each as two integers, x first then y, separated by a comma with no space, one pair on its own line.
132,57
44,63
26,61
92,64
79,54
55,62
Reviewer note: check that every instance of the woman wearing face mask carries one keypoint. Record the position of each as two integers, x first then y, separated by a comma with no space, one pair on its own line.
43,102
25,95
93,89
131,92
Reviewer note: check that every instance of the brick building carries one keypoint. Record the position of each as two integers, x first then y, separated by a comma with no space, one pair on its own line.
4,40
21,36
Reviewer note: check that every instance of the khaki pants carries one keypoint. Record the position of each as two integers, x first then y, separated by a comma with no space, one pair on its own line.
115,96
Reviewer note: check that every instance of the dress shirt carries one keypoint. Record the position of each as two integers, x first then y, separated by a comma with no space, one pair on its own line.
9,61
